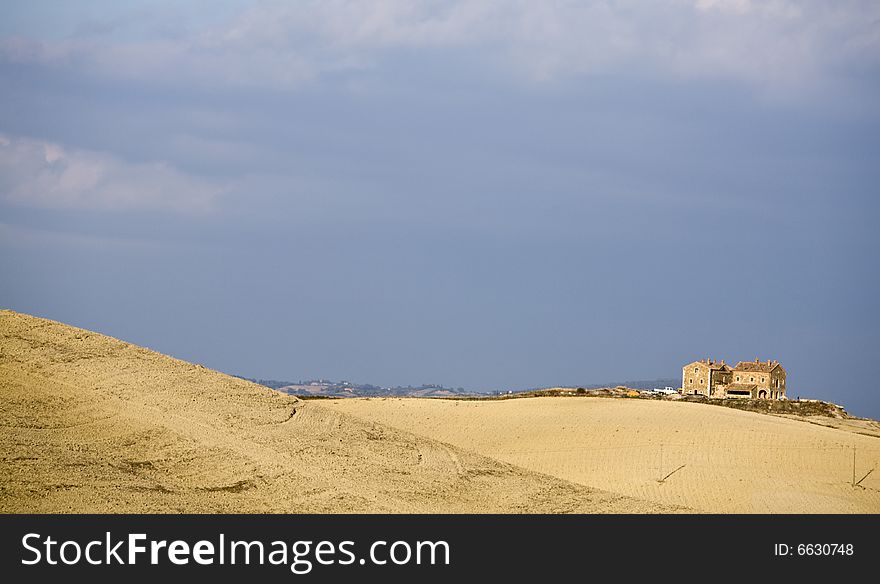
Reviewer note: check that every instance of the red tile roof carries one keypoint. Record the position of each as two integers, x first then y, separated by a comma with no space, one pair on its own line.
713,365
757,366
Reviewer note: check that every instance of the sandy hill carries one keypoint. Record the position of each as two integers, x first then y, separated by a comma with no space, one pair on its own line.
89,423
721,459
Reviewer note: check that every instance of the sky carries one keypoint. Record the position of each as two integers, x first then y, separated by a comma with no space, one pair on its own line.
492,195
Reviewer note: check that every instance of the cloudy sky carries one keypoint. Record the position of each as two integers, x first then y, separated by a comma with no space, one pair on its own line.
494,195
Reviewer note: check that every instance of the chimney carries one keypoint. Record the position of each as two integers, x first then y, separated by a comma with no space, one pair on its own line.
756,360
769,362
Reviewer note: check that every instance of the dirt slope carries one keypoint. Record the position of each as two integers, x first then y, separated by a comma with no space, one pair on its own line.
728,460
92,424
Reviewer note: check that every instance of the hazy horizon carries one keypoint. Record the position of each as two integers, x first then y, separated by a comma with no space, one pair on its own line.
486,195
586,384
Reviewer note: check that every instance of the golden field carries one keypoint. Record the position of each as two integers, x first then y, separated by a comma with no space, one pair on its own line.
89,423
722,460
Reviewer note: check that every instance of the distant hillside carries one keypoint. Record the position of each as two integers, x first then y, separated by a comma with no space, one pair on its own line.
644,384
639,384
317,388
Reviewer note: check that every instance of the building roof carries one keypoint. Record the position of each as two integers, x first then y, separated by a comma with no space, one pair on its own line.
712,365
757,366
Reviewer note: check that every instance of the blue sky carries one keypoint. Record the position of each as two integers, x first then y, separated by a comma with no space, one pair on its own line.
495,195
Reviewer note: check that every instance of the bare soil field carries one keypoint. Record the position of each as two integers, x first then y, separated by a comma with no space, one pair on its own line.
695,455
89,424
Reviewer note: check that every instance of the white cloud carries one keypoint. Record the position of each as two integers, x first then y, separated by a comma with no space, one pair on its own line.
771,42
738,6
282,45
36,173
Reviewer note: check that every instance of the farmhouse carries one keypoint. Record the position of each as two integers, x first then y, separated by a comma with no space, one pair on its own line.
748,379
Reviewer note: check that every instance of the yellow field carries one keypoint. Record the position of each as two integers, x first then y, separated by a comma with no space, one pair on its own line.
92,424
728,461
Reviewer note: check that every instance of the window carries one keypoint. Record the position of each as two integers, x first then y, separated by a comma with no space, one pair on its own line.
737,378
762,380
695,369
691,381
751,379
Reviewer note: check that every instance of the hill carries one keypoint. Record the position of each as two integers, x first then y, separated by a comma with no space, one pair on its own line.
324,388
698,455
89,423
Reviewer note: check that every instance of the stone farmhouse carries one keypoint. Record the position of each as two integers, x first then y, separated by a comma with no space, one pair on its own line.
749,379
